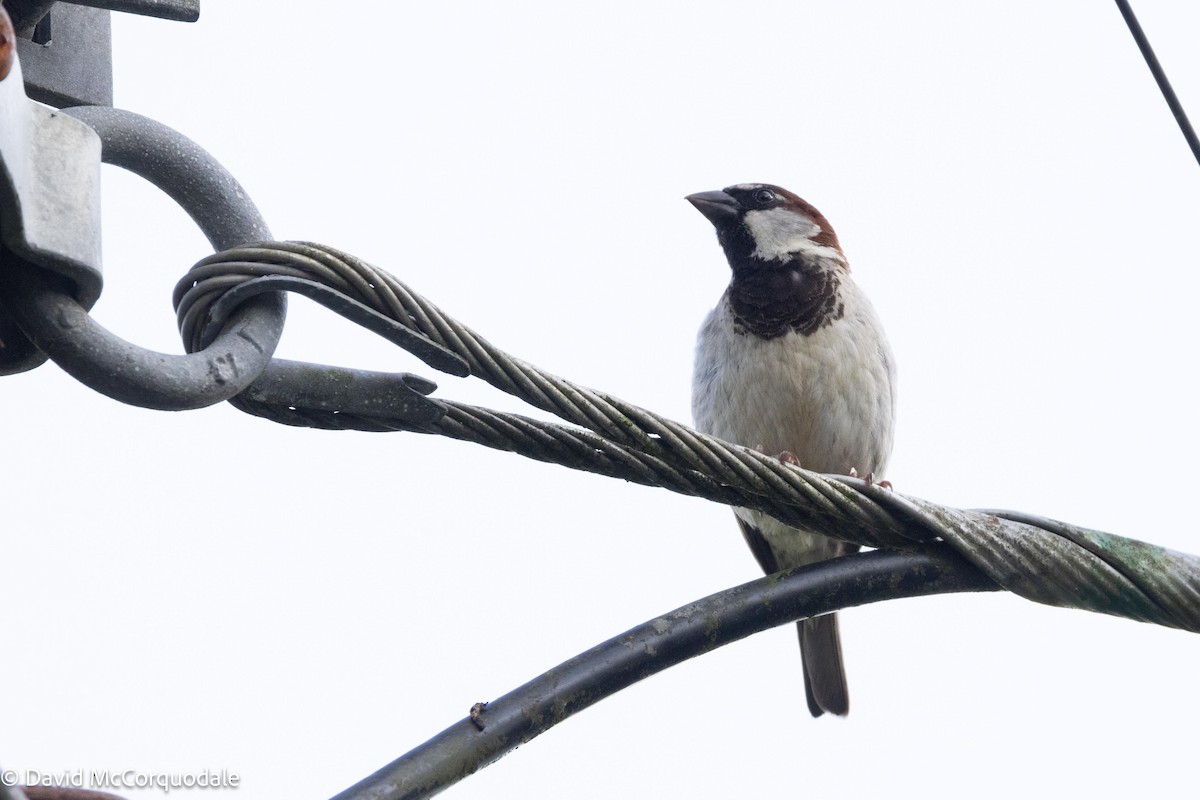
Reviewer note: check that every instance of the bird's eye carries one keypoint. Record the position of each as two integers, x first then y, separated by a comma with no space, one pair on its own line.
764,197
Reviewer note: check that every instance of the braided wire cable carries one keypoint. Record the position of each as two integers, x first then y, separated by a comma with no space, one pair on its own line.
1042,560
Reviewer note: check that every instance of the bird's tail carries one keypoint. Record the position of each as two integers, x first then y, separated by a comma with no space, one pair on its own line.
824,671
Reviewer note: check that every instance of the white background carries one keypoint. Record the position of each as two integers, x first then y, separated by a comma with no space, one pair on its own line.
207,590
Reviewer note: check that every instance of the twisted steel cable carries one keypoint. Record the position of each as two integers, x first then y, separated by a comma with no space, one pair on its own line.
1042,560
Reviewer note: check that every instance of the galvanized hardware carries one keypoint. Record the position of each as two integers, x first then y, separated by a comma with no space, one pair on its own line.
185,171
67,52
236,338
61,327
26,14
300,394
397,397
49,205
67,46
175,10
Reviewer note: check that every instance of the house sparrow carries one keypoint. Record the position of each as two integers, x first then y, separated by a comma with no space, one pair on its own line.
793,361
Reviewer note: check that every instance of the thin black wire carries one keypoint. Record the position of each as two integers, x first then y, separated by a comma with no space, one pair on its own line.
1164,85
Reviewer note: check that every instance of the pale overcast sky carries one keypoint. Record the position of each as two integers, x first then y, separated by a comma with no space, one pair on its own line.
207,590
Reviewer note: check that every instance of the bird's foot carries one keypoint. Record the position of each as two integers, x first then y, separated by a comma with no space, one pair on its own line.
786,456
870,480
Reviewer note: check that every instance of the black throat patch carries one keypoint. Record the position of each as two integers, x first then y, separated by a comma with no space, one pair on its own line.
771,298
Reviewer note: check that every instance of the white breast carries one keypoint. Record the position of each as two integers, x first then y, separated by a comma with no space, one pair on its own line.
827,397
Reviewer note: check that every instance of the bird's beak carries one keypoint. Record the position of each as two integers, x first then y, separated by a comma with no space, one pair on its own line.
718,207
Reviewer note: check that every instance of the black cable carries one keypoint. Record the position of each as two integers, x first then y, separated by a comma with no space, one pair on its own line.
499,727
1164,85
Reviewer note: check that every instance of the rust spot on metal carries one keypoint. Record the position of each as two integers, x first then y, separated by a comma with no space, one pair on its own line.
8,43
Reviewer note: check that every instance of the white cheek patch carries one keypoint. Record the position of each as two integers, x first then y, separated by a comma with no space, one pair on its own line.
780,233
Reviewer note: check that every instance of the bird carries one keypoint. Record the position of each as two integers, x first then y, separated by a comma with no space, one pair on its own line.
793,360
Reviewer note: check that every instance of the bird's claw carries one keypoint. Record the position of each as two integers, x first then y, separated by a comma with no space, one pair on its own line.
870,480
786,456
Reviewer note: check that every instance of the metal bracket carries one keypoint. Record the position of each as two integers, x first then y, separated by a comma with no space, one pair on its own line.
68,56
55,321
67,46
59,54
49,204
